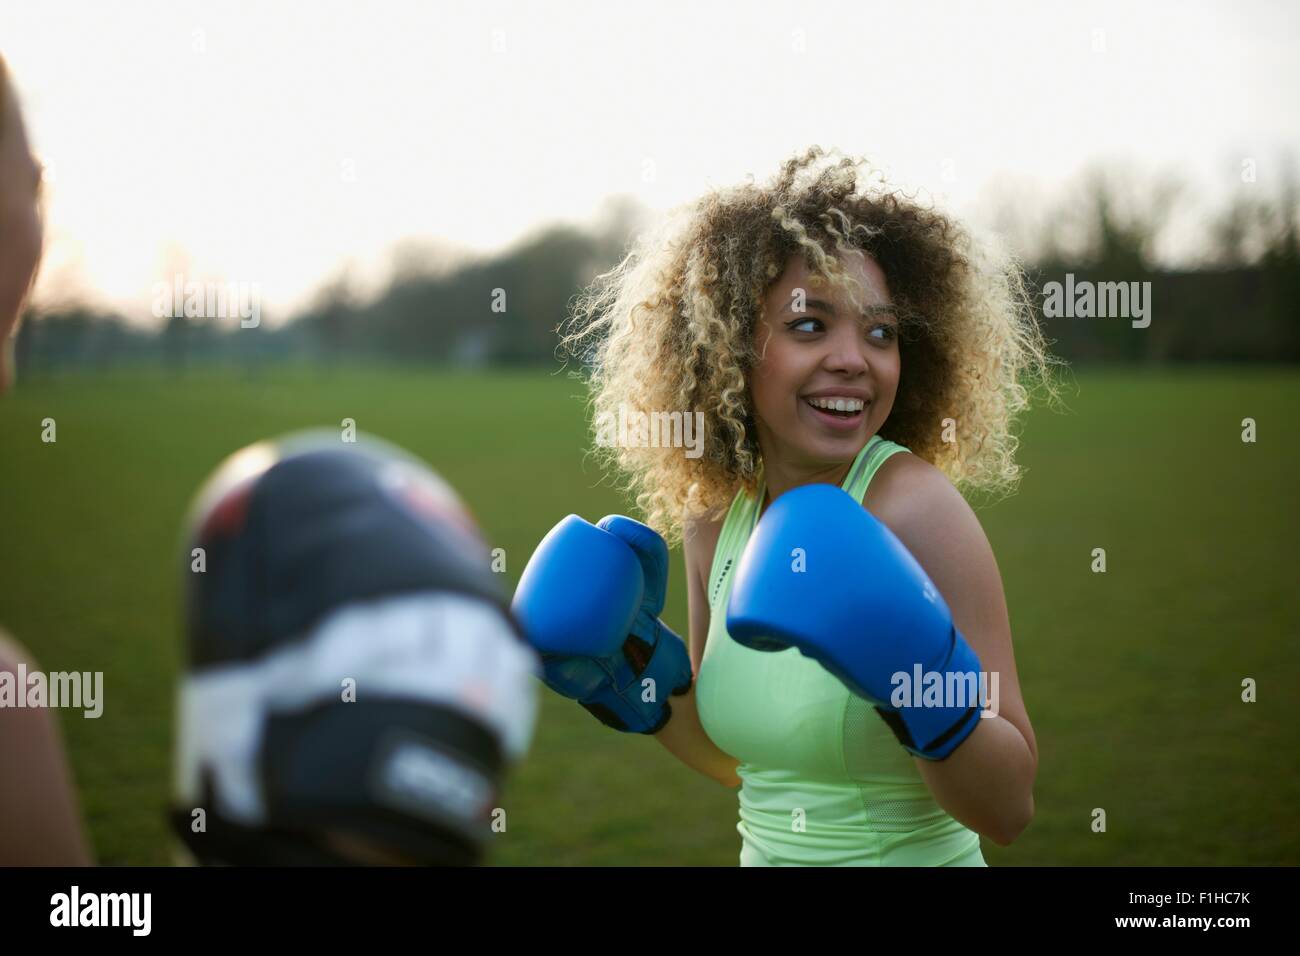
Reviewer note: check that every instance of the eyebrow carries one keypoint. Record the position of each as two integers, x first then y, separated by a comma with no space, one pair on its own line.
870,312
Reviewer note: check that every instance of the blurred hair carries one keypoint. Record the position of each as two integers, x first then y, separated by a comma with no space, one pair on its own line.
671,328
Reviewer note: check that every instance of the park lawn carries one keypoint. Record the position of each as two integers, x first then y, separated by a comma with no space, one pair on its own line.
1132,677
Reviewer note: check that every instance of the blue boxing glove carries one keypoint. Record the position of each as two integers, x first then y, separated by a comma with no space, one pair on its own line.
589,602
863,608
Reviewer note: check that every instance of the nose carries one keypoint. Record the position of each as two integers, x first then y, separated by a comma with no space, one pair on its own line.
846,352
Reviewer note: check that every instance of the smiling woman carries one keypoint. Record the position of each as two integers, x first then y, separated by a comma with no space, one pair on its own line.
681,323
829,332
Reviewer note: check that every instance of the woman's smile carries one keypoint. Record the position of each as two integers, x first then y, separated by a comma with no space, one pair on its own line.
837,411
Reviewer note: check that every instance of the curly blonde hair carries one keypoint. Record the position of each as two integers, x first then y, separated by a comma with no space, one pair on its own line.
672,328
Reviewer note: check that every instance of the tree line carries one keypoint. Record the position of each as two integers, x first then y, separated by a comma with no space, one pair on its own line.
1239,301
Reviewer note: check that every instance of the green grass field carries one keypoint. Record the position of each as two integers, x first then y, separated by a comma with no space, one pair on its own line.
1132,678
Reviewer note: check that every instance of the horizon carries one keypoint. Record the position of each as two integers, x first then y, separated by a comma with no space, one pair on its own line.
356,171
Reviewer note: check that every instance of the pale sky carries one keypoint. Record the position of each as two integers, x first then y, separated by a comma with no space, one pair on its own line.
278,143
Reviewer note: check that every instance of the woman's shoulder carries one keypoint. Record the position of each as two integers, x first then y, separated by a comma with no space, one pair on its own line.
700,533
700,540
918,502
906,487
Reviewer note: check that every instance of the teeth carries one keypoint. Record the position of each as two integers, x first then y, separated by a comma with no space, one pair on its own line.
837,404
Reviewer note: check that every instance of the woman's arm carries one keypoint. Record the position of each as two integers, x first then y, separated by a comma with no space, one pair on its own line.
987,782
685,738
684,735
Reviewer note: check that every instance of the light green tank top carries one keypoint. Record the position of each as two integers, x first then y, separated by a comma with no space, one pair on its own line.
824,780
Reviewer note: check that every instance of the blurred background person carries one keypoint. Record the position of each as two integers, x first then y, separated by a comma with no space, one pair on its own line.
40,822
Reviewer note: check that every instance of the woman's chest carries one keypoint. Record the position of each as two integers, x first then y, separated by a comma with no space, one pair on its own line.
770,709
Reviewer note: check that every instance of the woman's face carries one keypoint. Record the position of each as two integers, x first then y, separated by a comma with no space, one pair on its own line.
832,352
20,221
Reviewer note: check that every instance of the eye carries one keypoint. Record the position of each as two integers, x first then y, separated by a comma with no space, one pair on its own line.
888,332
795,326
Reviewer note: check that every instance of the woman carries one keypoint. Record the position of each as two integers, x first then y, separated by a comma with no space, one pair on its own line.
834,332
40,823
